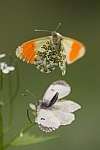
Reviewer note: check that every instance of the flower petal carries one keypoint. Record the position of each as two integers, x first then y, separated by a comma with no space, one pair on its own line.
2,55
11,68
5,71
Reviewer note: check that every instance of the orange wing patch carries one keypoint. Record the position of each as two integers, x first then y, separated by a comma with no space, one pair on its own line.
76,46
27,51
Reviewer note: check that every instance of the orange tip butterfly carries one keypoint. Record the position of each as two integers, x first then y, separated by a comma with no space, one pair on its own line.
51,51
51,112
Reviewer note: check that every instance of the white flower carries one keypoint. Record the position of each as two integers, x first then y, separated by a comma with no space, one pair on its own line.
2,55
6,69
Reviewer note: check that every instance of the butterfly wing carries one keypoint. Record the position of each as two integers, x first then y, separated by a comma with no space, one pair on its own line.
47,121
59,86
67,106
59,114
38,52
64,118
28,50
63,111
73,49
32,106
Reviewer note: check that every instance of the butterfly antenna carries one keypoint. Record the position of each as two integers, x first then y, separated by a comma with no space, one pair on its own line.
58,26
27,96
30,93
24,95
42,30
32,96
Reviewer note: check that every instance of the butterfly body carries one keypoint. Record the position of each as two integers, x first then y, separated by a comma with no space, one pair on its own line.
56,40
52,112
49,52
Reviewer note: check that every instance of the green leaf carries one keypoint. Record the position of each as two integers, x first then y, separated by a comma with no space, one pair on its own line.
28,139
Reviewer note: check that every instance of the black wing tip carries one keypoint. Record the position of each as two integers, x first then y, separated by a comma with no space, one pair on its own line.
61,82
46,129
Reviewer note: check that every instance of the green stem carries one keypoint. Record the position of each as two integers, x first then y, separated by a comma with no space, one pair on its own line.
1,128
18,135
1,80
12,97
18,83
17,86
1,132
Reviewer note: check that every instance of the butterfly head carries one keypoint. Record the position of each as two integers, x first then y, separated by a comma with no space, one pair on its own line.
56,35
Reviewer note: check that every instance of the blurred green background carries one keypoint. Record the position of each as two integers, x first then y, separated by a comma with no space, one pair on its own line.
80,20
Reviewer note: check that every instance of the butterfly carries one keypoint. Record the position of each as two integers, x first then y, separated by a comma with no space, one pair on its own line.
49,52
52,112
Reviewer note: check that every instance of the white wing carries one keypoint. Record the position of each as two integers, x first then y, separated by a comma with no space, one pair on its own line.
66,106
47,121
63,117
63,111
32,106
59,86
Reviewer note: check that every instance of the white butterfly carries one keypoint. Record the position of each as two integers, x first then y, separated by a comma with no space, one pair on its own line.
52,112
